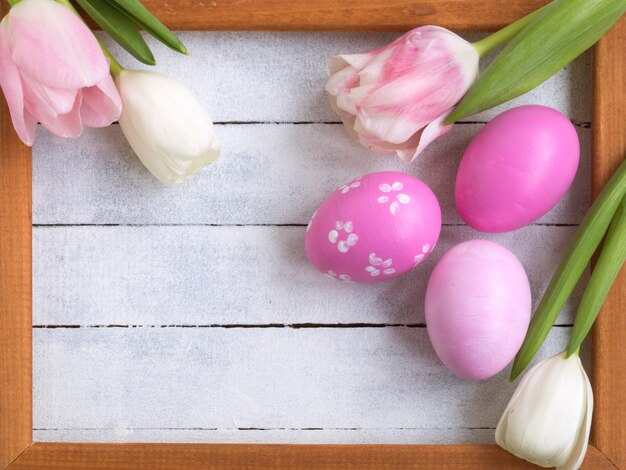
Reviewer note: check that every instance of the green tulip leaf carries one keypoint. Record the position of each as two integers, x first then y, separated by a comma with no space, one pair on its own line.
563,31
135,10
586,241
121,28
610,261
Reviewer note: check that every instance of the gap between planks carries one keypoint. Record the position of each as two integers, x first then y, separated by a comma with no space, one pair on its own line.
581,124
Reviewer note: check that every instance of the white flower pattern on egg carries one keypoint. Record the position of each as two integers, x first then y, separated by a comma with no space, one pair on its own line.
351,185
343,245
418,258
341,277
400,198
378,265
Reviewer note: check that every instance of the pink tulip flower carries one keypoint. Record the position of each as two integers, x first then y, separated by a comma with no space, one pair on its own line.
396,98
52,70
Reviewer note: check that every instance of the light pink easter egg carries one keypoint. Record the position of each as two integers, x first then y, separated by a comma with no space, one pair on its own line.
516,168
374,228
477,308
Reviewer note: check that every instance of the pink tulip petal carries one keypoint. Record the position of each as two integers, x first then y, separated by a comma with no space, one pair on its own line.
66,125
368,80
342,81
403,87
24,123
431,132
101,104
357,61
53,46
47,102
394,121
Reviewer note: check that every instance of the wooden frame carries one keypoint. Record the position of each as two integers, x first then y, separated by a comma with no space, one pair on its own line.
17,450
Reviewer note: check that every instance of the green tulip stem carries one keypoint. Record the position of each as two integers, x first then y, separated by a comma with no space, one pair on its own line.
608,266
114,66
495,40
587,239
12,2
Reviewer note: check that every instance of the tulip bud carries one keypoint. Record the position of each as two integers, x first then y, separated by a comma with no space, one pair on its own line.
548,419
171,133
395,99
52,70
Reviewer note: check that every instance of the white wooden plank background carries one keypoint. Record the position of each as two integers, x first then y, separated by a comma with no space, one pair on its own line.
191,313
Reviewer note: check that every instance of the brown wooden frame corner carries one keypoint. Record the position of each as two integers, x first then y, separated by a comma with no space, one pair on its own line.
608,374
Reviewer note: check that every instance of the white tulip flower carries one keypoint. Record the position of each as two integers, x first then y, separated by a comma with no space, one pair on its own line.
171,133
548,419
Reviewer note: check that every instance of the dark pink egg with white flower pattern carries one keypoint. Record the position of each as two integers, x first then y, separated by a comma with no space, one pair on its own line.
376,227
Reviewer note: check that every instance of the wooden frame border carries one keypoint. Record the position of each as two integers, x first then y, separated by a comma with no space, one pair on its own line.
17,450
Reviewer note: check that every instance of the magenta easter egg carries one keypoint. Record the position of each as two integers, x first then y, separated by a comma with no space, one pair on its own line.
516,168
477,308
373,228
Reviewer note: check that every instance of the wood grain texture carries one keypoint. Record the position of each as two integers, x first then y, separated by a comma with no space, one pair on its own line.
351,15
609,334
86,275
15,292
56,456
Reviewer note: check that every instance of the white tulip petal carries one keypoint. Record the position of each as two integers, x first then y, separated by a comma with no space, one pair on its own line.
348,227
389,271
332,236
387,263
383,199
580,449
171,133
397,186
385,188
547,418
343,247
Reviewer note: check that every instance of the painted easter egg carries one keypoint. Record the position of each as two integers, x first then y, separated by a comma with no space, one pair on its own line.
477,308
516,168
374,228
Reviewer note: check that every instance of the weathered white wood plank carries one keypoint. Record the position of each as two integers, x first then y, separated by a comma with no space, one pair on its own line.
276,76
214,378
268,174
351,385
236,275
